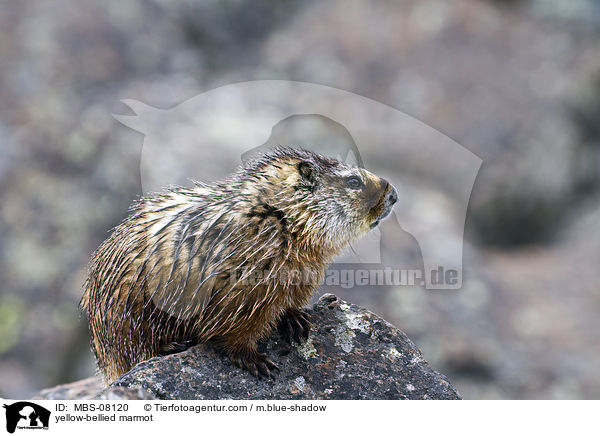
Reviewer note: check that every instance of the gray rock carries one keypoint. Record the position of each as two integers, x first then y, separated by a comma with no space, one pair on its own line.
93,388
350,354
81,389
122,393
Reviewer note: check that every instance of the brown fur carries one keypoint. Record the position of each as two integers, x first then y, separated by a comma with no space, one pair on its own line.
165,274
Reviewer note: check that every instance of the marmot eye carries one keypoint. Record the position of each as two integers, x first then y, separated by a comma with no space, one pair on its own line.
354,182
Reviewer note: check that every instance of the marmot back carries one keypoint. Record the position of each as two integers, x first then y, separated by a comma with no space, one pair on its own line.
220,261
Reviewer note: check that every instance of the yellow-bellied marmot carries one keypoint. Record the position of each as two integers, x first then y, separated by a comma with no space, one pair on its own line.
213,262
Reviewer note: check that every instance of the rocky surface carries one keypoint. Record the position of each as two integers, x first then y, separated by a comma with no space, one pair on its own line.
350,354
93,388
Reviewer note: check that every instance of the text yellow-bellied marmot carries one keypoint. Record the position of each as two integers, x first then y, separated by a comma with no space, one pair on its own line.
213,262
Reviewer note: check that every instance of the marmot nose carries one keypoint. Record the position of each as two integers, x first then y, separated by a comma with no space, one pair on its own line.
391,197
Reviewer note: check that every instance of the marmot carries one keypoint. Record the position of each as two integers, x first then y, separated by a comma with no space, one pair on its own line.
206,263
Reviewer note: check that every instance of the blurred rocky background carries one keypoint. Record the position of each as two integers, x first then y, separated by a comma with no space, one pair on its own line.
516,82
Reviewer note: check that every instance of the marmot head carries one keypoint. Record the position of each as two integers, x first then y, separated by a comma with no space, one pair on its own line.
326,202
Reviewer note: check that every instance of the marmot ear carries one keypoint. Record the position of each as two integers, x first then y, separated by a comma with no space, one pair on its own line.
307,172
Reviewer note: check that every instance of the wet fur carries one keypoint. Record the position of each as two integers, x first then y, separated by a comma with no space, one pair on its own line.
163,276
